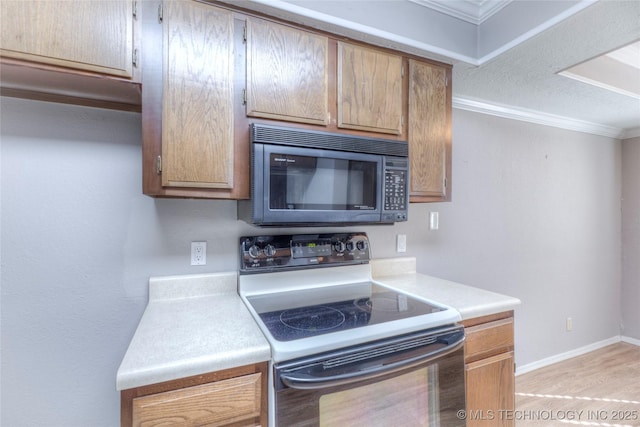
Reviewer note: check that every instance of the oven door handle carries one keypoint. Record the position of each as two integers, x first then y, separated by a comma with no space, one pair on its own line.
302,381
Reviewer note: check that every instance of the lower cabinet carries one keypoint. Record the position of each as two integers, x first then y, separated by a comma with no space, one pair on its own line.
233,397
489,370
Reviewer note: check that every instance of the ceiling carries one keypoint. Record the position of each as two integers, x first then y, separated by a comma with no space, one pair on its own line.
618,70
506,54
526,79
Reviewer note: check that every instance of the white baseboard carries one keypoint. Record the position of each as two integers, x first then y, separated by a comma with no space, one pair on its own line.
630,340
572,353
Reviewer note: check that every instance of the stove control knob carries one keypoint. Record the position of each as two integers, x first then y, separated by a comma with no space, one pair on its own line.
254,251
361,245
269,250
350,246
339,246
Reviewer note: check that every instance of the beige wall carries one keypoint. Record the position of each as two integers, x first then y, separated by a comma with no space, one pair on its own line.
631,237
536,215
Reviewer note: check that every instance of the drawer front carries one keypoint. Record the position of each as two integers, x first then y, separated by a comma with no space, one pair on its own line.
488,339
230,400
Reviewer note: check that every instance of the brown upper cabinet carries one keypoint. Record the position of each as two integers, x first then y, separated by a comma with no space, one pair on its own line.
370,89
287,73
74,51
188,106
85,35
197,103
429,131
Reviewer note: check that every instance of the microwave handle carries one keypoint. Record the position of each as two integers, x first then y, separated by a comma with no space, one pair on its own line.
307,382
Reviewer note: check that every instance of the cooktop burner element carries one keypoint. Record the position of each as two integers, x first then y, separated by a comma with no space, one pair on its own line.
312,319
314,292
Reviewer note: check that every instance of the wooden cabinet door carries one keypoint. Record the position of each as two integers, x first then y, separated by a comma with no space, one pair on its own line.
233,401
491,391
287,73
197,104
429,131
370,90
94,36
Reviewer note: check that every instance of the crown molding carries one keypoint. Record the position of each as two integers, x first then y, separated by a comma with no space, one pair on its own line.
540,118
474,12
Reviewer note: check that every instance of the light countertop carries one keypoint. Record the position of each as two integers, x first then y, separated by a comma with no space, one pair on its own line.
197,324
400,273
192,325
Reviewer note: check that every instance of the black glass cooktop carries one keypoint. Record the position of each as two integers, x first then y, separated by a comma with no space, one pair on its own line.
300,314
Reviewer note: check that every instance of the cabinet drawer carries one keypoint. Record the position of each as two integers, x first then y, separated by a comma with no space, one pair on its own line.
230,400
488,339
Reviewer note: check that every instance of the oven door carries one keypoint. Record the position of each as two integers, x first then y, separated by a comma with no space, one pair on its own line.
412,380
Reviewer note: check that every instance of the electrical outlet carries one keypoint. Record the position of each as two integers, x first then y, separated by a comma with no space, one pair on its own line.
434,220
198,253
401,243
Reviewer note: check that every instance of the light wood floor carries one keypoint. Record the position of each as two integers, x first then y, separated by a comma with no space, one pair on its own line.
601,389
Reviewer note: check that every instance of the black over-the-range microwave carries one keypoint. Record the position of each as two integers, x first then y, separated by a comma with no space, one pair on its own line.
301,177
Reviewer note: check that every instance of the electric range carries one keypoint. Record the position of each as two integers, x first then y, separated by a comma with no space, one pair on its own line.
313,293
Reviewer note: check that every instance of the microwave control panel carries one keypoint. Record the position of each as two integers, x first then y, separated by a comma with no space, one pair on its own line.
396,196
269,253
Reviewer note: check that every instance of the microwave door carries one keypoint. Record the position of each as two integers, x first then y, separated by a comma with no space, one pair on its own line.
305,185
322,184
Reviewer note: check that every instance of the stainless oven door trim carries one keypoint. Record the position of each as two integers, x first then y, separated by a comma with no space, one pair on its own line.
293,374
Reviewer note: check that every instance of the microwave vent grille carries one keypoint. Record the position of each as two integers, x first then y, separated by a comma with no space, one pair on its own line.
328,141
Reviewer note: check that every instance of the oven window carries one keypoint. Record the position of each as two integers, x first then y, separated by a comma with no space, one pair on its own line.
405,400
320,183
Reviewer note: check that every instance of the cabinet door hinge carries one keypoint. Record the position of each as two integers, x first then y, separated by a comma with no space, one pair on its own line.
244,96
160,13
446,82
135,10
244,33
445,183
134,59
159,165
402,72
